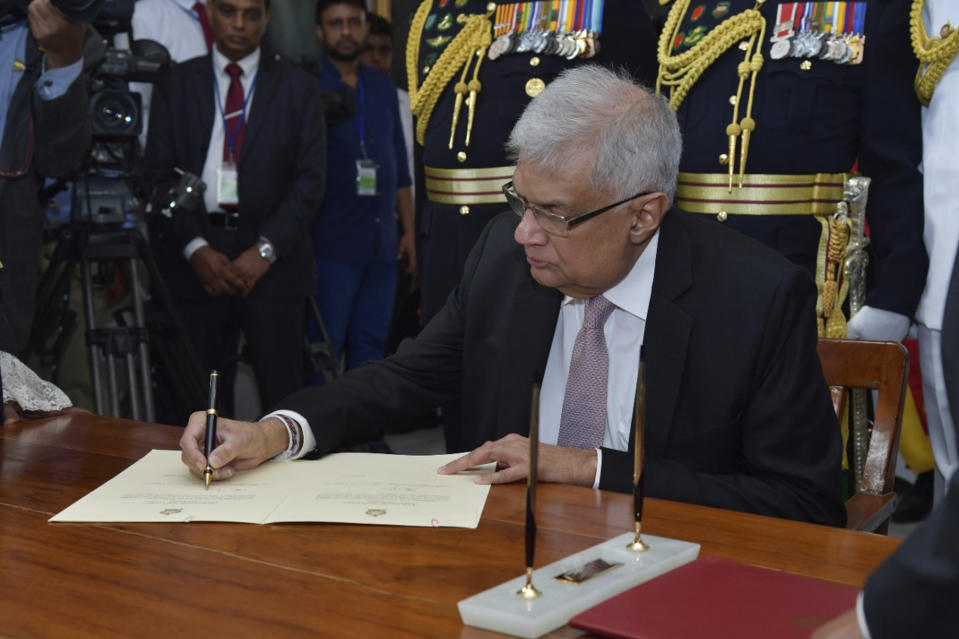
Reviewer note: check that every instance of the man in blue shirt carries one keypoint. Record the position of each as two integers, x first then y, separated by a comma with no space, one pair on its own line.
44,131
368,182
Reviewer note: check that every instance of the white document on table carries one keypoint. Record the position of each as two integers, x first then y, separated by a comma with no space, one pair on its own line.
363,488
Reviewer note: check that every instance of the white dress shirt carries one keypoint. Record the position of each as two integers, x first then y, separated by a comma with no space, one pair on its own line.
214,153
624,335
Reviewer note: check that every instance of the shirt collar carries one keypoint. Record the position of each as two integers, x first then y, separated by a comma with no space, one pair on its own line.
249,64
632,293
188,4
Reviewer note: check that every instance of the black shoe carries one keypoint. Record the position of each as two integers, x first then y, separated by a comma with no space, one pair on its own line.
916,501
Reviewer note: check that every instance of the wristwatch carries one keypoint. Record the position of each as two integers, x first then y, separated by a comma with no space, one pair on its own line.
265,248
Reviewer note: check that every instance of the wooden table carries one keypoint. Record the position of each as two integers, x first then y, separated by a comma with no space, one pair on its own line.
235,580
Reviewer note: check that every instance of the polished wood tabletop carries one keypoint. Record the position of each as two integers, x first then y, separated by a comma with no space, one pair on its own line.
287,580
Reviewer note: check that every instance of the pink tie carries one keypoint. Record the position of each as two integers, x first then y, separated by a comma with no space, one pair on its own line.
583,422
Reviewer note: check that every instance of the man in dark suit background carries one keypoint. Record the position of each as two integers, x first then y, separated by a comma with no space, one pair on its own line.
738,414
914,592
252,126
44,132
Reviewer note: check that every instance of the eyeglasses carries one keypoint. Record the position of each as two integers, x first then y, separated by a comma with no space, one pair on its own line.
554,223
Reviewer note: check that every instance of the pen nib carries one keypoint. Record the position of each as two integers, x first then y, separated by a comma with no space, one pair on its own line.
207,476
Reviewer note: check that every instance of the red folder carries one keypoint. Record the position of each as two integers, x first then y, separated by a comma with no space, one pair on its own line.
717,598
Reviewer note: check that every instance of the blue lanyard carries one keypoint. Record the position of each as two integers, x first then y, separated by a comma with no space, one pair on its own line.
226,128
358,122
190,12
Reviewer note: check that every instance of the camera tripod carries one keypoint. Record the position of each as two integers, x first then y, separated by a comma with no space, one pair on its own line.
119,356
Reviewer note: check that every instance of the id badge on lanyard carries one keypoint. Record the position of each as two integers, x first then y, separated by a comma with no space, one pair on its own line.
227,185
227,177
365,168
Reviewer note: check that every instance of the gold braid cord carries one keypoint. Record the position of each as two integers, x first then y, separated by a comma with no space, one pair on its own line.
833,287
935,54
473,39
679,73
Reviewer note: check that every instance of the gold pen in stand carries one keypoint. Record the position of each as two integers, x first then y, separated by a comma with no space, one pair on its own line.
210,427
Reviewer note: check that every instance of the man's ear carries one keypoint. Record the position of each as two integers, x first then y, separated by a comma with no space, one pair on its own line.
319,32
647,214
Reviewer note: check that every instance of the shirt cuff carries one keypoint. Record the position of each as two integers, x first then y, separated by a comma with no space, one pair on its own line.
861,616
309,439
55,82
599,468
192,246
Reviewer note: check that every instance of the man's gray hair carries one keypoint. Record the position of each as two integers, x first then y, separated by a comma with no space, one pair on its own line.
590,114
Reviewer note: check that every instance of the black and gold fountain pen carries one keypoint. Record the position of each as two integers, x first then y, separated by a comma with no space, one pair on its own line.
210,427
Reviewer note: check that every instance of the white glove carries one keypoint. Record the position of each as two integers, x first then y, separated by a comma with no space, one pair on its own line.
877,324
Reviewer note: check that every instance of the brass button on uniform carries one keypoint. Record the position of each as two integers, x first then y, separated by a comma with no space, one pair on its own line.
744,45
534,86
491,6
461,156
426,70
723,159
534,61
732,100
721,216
805,65
464,210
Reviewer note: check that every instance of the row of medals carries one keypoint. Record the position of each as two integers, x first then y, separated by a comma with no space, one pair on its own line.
575,44
835,47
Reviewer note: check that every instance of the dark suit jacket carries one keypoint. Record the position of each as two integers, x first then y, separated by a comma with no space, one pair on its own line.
42,138
738,413
281,170
915,593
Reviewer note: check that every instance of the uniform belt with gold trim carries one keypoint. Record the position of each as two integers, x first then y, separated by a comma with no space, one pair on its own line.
760,194
467,186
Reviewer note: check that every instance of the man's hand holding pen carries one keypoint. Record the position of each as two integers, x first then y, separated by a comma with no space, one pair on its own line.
239,445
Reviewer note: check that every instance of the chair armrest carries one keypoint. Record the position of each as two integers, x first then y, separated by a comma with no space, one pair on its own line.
869,512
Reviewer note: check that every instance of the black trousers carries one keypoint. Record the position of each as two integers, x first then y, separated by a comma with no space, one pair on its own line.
274,332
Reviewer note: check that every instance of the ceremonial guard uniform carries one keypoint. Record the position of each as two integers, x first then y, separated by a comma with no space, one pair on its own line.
777,101
473,66
936,43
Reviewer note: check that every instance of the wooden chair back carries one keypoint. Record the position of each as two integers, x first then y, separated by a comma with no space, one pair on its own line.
883,367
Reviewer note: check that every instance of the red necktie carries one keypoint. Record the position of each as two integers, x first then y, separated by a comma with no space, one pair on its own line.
204,24
233,115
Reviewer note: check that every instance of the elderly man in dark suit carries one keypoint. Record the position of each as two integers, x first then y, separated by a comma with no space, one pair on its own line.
591,265
252,126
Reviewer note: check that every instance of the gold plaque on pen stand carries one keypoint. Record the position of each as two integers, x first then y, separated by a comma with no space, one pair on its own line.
567,587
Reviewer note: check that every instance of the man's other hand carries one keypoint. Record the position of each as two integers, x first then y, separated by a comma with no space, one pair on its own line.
845,626
240,445
407,249
60,39
511,454
215,272
248,268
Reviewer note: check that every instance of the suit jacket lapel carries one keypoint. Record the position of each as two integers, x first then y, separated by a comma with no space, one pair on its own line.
527,342
264,93
204,105
667,331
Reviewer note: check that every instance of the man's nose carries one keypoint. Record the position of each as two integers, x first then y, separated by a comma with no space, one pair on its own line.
529,231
